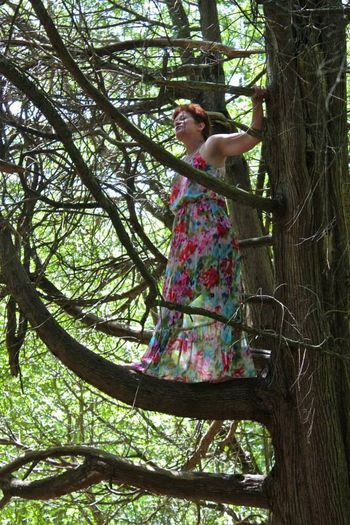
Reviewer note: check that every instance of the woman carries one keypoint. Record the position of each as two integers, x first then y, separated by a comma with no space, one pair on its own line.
203,268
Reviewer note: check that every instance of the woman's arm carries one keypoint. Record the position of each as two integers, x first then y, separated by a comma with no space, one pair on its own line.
219,146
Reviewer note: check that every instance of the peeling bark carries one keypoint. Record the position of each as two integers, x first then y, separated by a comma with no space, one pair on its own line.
306,152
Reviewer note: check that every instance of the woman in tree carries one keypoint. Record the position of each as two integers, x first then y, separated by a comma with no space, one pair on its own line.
203,268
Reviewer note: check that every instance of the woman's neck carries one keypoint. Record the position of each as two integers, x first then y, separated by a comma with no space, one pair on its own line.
193,146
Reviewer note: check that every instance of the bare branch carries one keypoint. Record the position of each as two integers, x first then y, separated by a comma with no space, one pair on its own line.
90,181
292,343
266,240
192,85
203,446
9,167
99,466
158,152
210,47
91,320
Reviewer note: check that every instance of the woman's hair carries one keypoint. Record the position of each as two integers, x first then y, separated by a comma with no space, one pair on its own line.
199,115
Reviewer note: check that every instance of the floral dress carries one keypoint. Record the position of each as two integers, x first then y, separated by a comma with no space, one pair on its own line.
203,271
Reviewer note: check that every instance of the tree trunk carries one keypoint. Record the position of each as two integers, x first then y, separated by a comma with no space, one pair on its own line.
307,162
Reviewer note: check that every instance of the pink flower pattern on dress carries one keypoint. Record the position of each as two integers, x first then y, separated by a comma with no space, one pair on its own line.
198,162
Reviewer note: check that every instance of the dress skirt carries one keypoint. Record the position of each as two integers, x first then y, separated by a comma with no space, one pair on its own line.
203,271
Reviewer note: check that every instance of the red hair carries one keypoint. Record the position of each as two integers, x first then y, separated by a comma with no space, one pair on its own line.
198,114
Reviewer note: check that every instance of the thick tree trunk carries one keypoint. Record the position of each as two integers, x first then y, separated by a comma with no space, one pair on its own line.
307,157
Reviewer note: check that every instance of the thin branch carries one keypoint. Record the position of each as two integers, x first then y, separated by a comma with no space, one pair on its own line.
91,320
88,179
266,240
210,47
292,343
5,500
26,129
203,446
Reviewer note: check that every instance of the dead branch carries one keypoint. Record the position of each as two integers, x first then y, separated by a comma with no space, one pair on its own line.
203,446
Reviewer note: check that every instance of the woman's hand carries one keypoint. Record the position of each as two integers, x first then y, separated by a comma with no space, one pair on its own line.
259,95
218,147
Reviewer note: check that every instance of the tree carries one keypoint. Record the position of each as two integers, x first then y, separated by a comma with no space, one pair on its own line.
71,102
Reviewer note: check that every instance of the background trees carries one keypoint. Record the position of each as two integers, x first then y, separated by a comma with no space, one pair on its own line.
83,200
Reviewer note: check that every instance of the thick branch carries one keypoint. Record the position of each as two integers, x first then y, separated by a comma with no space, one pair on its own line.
236,399
9,167
72,308
192,85
99,466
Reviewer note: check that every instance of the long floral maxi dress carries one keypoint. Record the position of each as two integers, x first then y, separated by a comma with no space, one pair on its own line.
203,271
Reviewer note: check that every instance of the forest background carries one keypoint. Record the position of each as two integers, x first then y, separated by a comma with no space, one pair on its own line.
86,200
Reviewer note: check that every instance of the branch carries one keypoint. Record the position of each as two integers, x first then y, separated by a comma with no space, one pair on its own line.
103,466
203,446
9,167
92,320
192,85
236,399
191,310
105,105
211,47
12,122
127,45
266,240
71,307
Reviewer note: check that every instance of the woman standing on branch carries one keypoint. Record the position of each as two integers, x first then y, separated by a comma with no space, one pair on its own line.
203,268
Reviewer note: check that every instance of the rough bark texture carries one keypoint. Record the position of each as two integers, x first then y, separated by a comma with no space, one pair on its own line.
103,466
307,148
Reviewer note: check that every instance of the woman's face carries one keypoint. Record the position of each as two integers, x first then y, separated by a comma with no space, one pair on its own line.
186,127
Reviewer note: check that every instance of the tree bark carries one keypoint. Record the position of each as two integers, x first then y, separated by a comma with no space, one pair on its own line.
103,466
310,481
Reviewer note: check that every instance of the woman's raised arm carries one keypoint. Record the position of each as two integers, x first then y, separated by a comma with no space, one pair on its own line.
218,147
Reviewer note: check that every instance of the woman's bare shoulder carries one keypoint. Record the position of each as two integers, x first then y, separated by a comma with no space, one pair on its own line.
210,151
